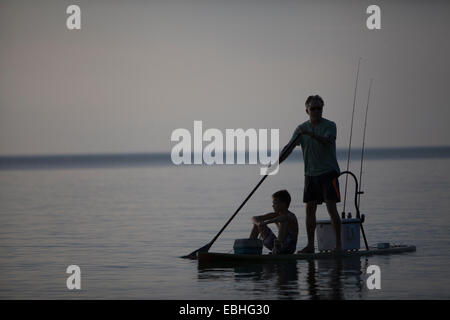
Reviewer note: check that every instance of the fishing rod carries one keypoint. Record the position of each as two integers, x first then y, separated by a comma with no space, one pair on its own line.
364,139
205,248
358,191
350,140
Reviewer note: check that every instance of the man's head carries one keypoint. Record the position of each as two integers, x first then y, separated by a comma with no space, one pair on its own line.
281,201
314,107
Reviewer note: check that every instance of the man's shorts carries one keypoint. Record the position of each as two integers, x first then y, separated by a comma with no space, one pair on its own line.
287,247
322,188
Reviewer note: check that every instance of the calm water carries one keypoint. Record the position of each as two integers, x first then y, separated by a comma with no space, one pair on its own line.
126,227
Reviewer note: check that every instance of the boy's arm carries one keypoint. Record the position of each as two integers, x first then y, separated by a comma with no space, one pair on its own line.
264,217
276,219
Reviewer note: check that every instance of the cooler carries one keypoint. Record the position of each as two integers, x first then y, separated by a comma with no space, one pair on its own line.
248,246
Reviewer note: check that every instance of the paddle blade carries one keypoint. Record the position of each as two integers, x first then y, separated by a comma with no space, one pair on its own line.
193,255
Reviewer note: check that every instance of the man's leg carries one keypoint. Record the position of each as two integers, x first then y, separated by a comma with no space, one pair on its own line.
311,208
336,222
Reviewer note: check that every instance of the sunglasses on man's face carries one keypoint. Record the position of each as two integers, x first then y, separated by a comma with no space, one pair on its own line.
315,109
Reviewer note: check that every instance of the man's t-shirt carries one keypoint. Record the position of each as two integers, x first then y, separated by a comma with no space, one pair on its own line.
319,158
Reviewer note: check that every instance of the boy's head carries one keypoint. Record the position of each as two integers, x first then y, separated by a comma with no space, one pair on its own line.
281,200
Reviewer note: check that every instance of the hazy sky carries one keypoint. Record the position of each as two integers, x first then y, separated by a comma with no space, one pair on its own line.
137,70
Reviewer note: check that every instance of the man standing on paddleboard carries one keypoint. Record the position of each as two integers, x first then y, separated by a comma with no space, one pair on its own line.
317,138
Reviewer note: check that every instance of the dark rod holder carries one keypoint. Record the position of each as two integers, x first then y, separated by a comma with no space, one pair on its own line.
358,215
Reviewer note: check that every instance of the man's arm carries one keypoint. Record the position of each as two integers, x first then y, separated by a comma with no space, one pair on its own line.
330,135
324,140
287,150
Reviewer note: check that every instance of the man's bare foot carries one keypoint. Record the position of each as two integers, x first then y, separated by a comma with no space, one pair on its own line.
307,249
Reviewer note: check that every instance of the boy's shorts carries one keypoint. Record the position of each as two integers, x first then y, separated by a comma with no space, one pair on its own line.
287,247
322,188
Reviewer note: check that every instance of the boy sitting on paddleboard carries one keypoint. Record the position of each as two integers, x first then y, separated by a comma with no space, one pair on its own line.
286,221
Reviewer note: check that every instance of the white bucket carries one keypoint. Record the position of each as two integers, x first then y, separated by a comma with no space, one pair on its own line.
350,234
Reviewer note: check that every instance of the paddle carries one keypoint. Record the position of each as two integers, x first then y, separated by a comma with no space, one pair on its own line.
286,151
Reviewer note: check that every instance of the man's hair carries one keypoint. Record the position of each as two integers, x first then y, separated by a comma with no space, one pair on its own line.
283,196
318,99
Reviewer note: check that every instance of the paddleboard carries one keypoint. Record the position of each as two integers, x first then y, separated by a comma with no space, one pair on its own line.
212,257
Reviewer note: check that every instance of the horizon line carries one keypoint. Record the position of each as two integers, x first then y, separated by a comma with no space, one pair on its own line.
137,153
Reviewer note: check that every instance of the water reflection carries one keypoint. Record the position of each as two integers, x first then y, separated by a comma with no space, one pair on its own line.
336,279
